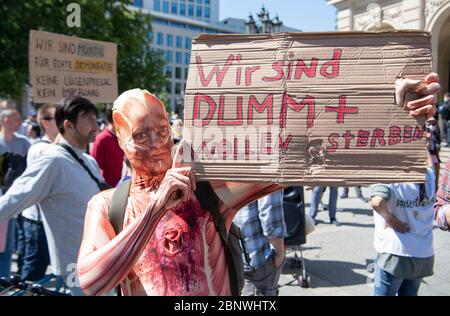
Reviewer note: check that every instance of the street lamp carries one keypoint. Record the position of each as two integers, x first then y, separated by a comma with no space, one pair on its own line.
277,24
266,24
251,25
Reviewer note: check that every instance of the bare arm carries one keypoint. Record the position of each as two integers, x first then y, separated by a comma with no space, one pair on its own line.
106,259
238,194
278,243
235,195
380,206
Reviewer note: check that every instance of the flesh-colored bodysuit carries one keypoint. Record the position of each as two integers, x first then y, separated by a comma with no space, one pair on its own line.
169,244
161,250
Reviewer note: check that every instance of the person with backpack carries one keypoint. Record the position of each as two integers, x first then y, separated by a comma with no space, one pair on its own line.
36,258
170,234
13,152
160,233
263,228
61,181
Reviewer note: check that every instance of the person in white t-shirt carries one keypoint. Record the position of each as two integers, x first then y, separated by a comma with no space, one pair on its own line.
404,215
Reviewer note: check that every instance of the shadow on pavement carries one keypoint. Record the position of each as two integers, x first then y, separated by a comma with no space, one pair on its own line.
357,225
326,273
357,211
322,222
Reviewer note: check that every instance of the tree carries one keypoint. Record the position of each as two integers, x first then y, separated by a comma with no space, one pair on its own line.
106,20
164,97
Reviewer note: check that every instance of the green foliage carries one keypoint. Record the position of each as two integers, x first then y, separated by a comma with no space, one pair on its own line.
164,97
105,20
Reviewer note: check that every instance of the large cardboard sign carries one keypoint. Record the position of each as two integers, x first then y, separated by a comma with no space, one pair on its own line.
300,108
65,66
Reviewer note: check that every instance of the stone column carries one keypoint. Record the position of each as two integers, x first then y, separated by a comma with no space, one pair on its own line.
345,19
413,14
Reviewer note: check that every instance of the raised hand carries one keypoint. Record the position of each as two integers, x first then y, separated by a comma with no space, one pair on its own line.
178,184
418,97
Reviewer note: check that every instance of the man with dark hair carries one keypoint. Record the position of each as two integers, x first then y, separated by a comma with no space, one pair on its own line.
107,152
61,181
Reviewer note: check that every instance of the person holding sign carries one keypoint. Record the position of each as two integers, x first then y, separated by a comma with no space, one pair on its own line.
403,214
166,242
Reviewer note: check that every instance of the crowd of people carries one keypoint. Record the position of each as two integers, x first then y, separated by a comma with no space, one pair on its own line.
161,232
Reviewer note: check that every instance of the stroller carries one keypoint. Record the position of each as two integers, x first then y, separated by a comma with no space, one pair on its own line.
294,216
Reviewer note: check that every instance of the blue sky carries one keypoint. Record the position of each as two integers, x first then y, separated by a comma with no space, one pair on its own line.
306,15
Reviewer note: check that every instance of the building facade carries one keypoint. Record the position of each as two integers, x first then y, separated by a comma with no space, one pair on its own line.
426,15
174,24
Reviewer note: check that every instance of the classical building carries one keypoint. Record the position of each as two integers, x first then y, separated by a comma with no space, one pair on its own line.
426,15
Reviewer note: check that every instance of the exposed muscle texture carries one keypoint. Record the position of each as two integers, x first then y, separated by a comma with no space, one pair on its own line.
172,252
169,245
236,195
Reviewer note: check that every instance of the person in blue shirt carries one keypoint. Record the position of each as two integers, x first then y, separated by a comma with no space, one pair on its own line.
263,229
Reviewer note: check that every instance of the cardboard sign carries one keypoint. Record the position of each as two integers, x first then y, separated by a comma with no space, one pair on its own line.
67,66
298,108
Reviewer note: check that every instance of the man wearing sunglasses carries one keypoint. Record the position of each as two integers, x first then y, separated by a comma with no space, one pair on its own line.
36,259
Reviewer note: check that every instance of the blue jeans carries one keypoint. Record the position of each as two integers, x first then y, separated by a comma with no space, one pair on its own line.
387,284
315,200
263,281
5,257
19,243
36,258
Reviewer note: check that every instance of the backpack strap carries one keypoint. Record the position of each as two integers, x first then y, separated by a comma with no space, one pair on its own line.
118,204
81,162
210,202
116,212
